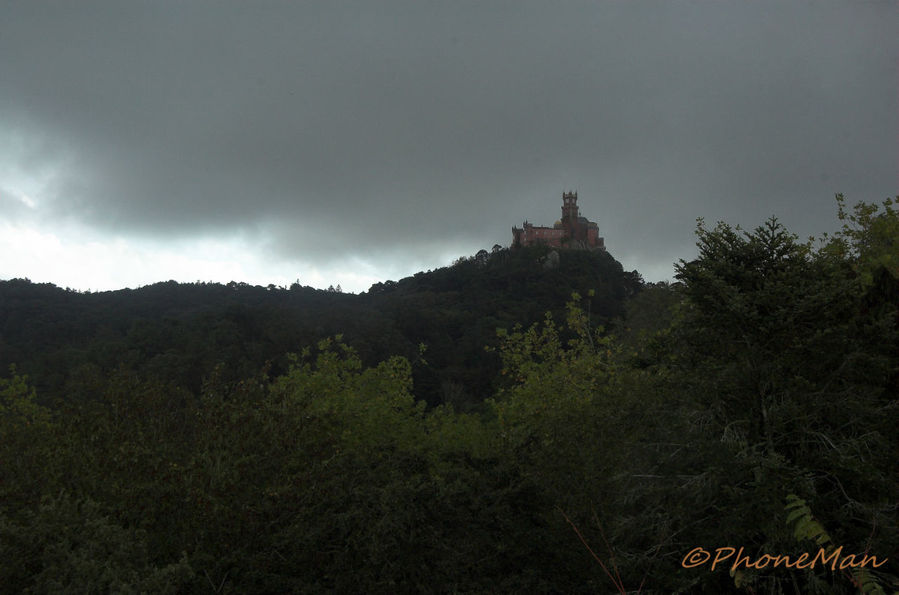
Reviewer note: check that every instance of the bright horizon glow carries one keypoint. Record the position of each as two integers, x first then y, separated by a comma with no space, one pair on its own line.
78,259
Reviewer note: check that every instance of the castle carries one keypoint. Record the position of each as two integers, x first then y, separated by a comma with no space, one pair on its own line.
572,231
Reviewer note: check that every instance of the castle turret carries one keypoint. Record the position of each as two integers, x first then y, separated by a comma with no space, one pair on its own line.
569,207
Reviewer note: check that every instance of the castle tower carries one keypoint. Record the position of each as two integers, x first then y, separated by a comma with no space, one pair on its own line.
569,207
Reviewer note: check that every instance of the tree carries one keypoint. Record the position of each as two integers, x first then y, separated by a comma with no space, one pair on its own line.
27,430
788,364
71,545
869,238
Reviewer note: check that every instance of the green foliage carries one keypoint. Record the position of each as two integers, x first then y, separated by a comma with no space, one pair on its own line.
375,402
26,430
869,238
582,428
548,373
70,545
371,483
806,527
17,401
788,360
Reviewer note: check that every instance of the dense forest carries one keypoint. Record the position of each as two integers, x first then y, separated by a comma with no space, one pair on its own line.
523,421
178,333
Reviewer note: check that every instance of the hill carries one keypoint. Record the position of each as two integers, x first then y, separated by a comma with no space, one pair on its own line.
178,333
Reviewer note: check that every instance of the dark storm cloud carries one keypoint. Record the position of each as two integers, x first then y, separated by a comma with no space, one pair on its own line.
329,127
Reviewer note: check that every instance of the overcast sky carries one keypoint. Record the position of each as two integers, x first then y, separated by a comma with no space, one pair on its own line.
354,142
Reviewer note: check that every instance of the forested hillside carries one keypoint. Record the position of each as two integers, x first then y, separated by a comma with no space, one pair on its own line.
177,333
503,425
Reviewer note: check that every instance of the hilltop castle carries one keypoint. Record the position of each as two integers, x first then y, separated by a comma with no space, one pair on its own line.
572,231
